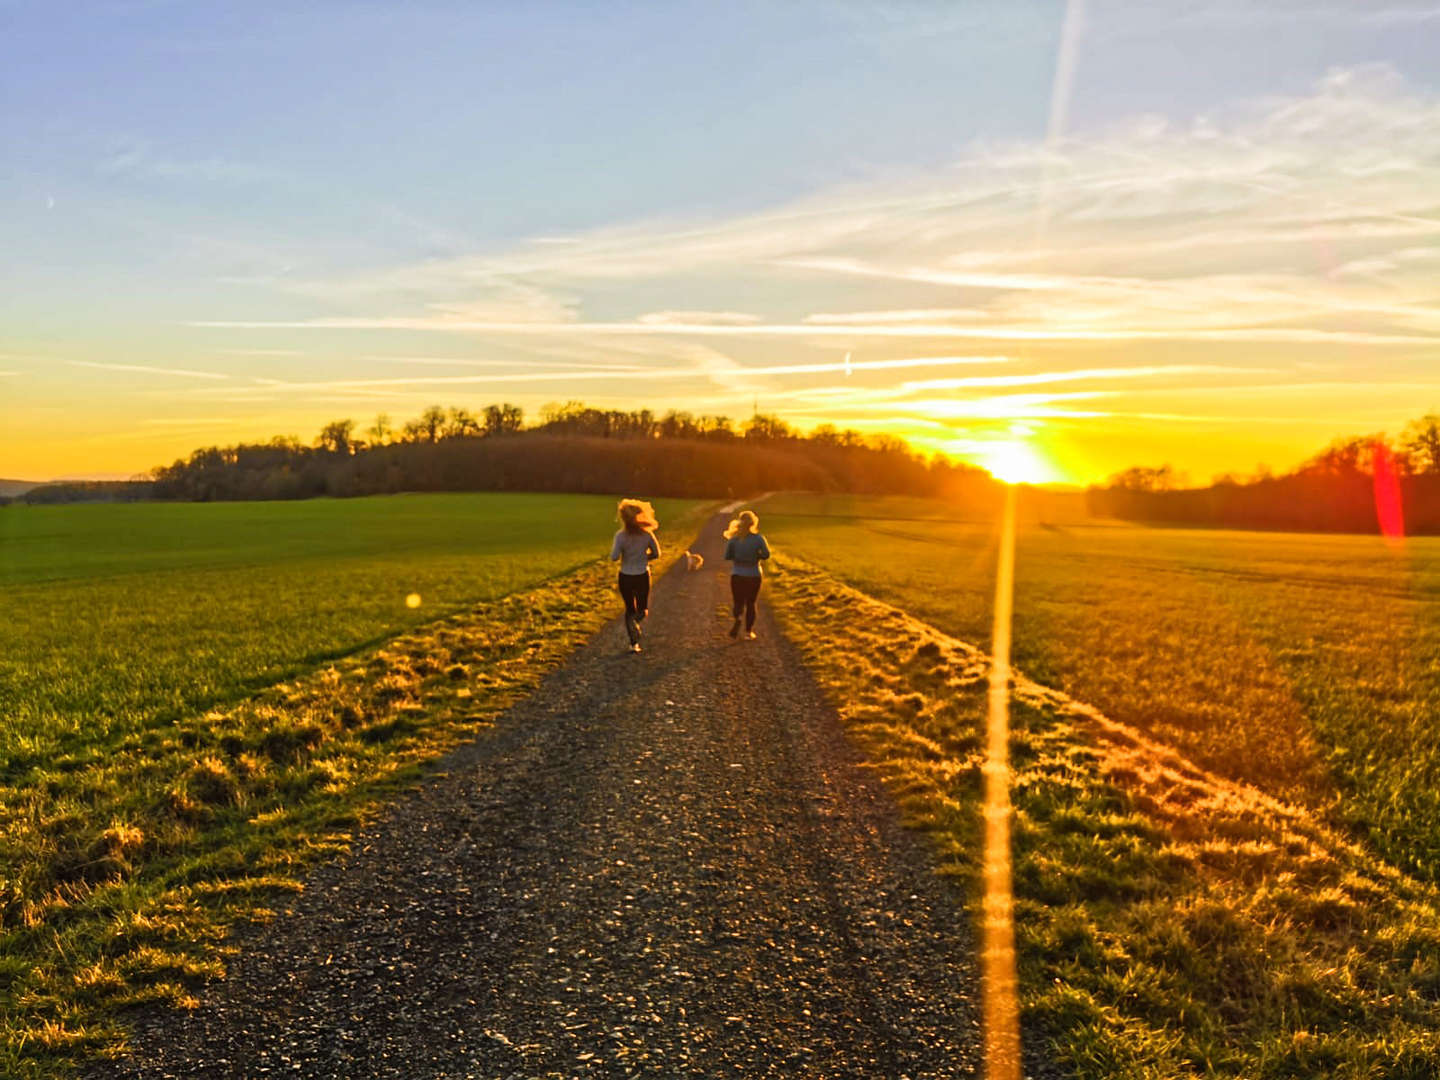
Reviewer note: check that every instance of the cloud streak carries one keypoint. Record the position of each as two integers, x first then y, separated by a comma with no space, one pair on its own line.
147,369
705,365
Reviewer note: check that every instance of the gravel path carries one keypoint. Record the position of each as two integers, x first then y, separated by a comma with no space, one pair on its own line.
661,865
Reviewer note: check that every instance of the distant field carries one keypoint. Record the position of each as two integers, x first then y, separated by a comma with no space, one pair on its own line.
1307,665
119,617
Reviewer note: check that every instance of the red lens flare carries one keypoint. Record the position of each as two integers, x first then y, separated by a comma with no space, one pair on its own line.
1389,507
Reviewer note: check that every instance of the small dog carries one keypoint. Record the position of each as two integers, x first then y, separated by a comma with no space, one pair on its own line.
693,561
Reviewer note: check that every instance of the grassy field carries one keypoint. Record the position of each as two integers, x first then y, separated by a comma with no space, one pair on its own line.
1307,665
1169,922
1272,914
201,700
122,617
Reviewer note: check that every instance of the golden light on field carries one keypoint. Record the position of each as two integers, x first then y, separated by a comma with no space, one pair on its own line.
413,600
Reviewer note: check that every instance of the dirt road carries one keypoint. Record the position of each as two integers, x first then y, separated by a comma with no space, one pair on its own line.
666,864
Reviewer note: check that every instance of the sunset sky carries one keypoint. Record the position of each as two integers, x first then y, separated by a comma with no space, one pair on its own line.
1055,240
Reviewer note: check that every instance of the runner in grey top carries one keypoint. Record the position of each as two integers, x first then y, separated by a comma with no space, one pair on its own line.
746,552
634,547
634,551
745,548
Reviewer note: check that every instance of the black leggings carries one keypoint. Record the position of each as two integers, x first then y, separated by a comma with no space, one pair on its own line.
635,591
744,590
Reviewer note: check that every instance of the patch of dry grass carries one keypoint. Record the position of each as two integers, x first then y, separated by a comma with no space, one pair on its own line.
1170,922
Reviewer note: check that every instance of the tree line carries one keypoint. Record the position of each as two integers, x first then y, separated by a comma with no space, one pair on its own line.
572,448
1341,489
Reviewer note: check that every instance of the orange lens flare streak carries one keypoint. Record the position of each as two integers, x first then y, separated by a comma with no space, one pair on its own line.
999,982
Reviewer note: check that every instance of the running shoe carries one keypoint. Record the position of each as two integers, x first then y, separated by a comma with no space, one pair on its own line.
735,629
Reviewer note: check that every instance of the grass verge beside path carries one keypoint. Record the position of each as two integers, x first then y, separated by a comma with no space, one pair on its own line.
1169,922
1305,665
121,874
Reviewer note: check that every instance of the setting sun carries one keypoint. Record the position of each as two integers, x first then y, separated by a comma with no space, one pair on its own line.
1017,462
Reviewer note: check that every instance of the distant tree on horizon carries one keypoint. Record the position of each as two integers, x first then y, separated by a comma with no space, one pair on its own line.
1421,439
337,437
381,431
503,419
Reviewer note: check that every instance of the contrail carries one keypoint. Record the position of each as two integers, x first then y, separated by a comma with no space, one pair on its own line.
1060,93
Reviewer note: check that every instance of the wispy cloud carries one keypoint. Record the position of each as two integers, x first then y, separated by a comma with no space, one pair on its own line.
1076,375
698,318
1278,335
703,364
504,365
147,369
1307,220
922,315
993,407
190,421
1253,242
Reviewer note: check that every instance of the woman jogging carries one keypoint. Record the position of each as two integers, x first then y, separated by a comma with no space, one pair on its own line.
745,547
635,546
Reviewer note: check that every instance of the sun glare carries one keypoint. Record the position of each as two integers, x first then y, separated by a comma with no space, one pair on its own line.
1017,462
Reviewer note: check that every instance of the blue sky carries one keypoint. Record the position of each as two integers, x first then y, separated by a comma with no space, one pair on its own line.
1201,233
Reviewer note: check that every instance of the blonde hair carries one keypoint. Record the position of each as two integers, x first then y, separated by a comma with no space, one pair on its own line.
637,515
742,524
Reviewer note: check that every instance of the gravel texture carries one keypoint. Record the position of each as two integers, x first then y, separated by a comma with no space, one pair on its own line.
668,864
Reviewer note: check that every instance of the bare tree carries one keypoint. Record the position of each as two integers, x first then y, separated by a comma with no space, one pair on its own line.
380,431
763,427
338,437
503,419
1140,478
432,423
461,424
1421,441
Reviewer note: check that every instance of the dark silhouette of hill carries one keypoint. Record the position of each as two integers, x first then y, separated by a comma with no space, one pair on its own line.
72,491
574,448
11,488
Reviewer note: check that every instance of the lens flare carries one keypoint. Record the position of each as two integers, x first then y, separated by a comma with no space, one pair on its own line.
1389,507
413,600
999,981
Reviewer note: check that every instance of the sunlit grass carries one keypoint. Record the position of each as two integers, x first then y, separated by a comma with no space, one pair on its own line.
121,617
1307,665
1170,922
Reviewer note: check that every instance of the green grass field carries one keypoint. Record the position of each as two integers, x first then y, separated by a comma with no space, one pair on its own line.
1308,665
122,617
1169,922
201,700
1276,916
